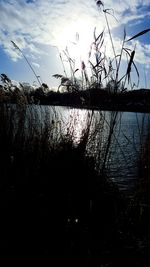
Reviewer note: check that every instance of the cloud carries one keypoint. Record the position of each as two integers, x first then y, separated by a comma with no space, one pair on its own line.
122,6
35,24
142,52
35,64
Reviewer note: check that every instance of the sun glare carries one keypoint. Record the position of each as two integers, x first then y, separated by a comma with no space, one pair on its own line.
77,36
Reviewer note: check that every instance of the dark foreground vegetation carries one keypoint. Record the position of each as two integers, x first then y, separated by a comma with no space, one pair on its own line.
56,206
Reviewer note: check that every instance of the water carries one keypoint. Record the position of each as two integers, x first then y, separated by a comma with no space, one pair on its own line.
128,138
126,142
130,131
126,150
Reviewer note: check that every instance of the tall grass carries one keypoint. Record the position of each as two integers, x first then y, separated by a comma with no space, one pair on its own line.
54,185
102,71
29,64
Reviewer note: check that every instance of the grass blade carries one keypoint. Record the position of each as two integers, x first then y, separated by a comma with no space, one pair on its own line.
129,65
138,34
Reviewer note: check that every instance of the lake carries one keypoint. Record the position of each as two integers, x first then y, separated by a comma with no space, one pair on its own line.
126,133
128,137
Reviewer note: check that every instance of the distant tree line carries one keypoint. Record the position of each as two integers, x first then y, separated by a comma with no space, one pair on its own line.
94,97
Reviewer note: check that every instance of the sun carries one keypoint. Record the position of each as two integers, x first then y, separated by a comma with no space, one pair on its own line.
77,36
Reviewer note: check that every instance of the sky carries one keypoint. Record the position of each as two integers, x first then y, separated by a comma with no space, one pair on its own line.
42,29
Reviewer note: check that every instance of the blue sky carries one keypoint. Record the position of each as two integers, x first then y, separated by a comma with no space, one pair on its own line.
41,28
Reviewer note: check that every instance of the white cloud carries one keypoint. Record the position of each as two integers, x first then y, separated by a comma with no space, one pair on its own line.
121,6
36,64
142,52
133,17
42,22
51,22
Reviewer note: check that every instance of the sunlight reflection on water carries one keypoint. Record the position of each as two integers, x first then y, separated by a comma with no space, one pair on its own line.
124,153
130,133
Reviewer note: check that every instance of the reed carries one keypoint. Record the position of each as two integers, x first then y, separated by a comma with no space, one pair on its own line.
45,172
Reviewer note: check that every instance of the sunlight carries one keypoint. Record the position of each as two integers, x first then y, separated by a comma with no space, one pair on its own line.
75,123
77,36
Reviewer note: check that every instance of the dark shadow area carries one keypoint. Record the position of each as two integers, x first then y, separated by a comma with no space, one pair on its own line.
55,206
